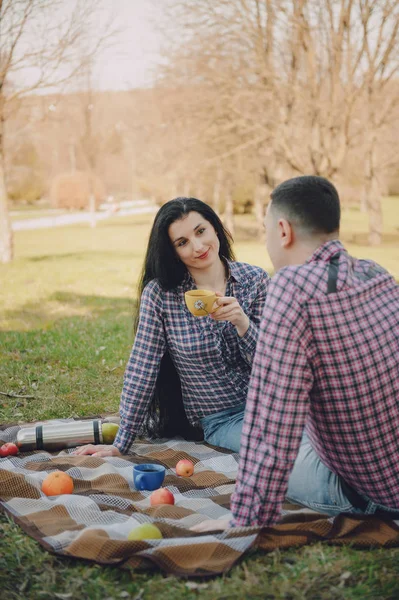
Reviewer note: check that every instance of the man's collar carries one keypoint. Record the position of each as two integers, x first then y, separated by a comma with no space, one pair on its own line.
326,251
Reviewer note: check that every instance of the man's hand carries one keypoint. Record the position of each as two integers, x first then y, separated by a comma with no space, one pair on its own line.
212,525
230,310
98,450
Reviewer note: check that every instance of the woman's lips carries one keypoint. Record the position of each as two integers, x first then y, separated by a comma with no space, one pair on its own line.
205,255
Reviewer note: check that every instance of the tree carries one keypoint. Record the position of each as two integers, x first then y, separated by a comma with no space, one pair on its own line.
295,86
41,49
347,99
380,26
89,141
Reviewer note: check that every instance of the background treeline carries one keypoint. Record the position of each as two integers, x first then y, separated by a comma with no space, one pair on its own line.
253,91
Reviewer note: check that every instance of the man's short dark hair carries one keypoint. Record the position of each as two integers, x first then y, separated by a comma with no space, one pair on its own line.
310,202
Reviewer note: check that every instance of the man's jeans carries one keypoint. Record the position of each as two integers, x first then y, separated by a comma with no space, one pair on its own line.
310,484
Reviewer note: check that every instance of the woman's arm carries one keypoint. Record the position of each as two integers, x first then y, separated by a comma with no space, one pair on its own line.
246,323
230,310
142,368
247,343
140,374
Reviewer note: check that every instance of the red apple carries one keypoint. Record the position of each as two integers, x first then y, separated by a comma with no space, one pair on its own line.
185,468
8,449
162,496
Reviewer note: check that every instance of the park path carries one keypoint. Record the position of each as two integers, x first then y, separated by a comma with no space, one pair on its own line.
129,208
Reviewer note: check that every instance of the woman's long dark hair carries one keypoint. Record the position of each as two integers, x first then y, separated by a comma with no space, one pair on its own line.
166,416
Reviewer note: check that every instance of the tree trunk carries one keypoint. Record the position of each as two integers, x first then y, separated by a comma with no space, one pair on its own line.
72,156
216,192
229,212
186,188
92,209
372,196
363,200
199,192
373,199
6,237
174,188
259,209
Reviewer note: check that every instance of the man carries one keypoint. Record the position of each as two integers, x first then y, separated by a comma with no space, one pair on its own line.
322,414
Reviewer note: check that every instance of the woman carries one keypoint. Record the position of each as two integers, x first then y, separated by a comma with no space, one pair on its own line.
186,371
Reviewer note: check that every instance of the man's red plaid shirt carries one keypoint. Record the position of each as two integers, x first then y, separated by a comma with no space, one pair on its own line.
330,362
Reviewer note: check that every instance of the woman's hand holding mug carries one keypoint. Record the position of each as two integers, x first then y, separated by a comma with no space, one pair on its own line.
230,310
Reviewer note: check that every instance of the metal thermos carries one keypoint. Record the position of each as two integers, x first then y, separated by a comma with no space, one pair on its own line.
60,435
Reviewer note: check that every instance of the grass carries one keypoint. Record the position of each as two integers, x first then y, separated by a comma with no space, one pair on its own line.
65,334
313,572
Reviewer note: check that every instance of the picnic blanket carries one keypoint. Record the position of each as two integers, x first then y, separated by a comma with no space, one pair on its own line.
94,521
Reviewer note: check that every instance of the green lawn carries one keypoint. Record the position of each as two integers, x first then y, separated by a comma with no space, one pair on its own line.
66,307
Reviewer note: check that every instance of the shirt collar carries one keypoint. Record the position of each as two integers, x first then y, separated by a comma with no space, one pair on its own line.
234,271
326,251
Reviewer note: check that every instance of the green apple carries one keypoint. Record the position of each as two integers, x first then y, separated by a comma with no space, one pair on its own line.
109,432
146,531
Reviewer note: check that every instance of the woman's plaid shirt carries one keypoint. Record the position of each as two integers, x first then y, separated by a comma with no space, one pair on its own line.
330,361
213,362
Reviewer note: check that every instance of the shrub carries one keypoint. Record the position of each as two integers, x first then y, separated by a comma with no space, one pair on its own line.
26,189
72,190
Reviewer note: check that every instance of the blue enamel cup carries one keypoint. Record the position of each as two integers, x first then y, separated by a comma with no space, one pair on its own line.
148,476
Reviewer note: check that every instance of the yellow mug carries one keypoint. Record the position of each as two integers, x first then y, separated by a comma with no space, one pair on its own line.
200,302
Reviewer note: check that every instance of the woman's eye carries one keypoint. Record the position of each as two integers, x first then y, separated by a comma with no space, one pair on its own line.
180,244
201,230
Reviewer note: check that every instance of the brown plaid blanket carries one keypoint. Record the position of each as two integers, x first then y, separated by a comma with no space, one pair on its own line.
94,521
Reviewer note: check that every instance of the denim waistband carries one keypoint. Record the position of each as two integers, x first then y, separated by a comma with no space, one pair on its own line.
362,503
224,413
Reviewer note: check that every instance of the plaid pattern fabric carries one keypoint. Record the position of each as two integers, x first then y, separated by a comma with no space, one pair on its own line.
93,522
212,361
330,361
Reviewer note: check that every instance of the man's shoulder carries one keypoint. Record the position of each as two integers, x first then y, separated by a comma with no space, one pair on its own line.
370,266
310,279
300,280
